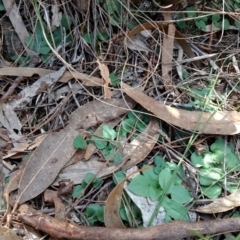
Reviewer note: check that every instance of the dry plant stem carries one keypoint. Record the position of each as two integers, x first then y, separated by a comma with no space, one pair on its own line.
167,51
174,230
11,89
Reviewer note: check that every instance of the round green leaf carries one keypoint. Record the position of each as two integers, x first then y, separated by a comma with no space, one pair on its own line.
108,132
99,142
79,143
180,194
77,191
166,180
212,191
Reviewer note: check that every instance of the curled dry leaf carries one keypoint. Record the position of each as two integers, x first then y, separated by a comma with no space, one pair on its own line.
142,145
221,204
25,96
111,210
105,75
52,197
224,122
56,150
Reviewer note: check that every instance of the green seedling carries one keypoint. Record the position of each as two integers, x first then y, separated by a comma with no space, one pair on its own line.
152,183
38,41
89,178
210,166
94,214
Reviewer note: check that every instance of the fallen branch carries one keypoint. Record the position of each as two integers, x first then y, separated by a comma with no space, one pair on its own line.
174,230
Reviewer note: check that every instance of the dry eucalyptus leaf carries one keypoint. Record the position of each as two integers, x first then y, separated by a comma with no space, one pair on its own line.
29,72
142,145
9,119
111,210
57,149
105,75
221,204
224,122
25,96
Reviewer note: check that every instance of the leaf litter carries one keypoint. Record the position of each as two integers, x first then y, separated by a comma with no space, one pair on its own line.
56,156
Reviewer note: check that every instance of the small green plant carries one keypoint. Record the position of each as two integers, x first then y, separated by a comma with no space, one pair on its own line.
108,142
94,214
210,165
202,21
152,183
2,8
89,178
38,43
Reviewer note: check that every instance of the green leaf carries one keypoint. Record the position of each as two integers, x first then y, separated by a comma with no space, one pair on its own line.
128,124
159,161
102,36
89,38
237,24
180,194
149,174
108,132
200,24
155,192
2,8
108,151
66,21
181,24
89,177
191,12
44,49
166,180
140,186
79,143
99,142
197,160
209,176
92,209
97,182
212,191
100,214
115,81
77,191
175,209
216,18
232,162
117,157
226,24
118,177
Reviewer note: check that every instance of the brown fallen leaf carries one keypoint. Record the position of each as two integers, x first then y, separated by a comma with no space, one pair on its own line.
112,206
167,51
105,75
26,146
26,95
142,145
225,123
221,204
87,80
56,150
52,197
